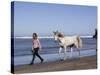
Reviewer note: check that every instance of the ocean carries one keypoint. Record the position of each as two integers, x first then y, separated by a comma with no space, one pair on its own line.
23,46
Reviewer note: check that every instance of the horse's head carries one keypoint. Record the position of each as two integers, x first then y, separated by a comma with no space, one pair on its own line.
58,35
55,35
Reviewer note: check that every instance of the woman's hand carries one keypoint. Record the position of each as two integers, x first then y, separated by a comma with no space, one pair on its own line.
40,48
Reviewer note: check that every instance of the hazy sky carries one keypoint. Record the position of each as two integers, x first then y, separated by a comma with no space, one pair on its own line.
45,18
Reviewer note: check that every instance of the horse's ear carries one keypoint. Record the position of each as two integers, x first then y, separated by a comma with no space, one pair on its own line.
53,32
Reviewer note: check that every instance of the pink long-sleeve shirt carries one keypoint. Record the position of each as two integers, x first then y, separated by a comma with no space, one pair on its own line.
36,43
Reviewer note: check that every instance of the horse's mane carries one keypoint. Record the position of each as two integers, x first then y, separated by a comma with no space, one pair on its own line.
60,35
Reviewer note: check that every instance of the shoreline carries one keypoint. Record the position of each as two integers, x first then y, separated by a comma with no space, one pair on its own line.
89,62
52,57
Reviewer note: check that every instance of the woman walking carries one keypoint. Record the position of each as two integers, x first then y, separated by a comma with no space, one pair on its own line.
35,48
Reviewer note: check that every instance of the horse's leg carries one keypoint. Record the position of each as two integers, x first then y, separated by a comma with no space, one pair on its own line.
71,51
77,46
79,52
60,49
65,53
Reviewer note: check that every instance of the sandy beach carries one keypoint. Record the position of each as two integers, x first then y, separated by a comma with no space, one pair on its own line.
89,62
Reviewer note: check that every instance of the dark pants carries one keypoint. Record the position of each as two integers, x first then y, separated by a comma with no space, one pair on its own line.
35,53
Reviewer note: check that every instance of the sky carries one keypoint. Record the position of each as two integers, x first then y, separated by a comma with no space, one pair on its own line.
44,18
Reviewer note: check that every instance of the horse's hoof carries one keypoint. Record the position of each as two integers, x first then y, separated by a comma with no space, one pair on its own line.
64,58
61,59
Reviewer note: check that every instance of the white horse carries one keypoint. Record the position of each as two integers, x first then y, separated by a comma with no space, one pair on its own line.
65,42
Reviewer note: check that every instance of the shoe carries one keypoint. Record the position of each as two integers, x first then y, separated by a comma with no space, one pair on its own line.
31,63
42,61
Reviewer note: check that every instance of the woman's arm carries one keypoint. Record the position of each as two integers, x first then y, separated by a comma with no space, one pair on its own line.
39,44
32,44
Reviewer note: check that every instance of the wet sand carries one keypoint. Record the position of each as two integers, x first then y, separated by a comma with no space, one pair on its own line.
89,62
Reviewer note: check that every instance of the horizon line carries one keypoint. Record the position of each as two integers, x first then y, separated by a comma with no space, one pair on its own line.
29,37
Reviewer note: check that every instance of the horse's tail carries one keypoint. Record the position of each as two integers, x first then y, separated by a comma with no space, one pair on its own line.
79,42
